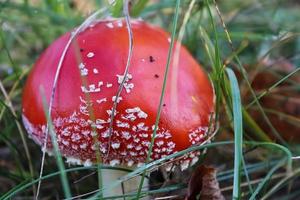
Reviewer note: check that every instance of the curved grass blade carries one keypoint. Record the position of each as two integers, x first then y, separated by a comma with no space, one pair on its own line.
268,176
153,164
20,130
274,86
175,20
58,157
245,77
292,175
24,185
138,171
238,132
57,74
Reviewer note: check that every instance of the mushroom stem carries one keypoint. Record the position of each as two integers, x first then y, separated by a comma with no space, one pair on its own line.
130,186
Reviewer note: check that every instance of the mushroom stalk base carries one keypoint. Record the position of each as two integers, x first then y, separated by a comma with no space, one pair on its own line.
127,187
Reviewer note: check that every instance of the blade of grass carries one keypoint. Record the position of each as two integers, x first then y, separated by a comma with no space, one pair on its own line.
22,186
125,74
155,163
247,175
252,125
157,7
170,51
14,88
244,75
274,86
57,154
15,68
219,80
116,8
138,7
174,77
238,132
217,74
264,181
251,168
21,132
47,12
292,175
57,73
134,173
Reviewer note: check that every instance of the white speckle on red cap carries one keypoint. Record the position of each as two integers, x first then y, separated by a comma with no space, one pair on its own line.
66,132
65,142
75,137
141,114
74,146
139,147
105,134
86,132
120,23
114,99
95,71
141,127
101,100
160,143
73,160
100,83
94,133
110,25
122,124
136,140
115,145
133,154
90,55
130,163
197,135
144,135
95,146
103,149
128,86
87,163
129,116
129,146
92,88
83,145
114,162
126,135
83,70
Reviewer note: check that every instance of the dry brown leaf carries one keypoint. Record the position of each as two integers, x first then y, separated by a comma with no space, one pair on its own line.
282,104
204,182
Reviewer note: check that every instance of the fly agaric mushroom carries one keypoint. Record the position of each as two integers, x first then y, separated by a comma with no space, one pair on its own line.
91,73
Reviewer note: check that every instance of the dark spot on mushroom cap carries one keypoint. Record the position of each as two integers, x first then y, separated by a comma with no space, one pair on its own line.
151,59
156,75
164,104
81,49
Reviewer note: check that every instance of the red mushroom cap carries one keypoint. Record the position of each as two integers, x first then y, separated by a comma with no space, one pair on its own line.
98,57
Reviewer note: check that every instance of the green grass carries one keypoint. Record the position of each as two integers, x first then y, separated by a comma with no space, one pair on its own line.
57,154
238,133
170,52
232,40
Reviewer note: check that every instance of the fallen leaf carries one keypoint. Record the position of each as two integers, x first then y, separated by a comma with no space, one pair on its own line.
204,182
282,104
